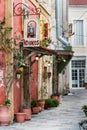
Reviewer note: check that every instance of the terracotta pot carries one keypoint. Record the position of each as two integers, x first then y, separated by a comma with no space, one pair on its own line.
4,115
20,117
86,86
41,103
36,110
28,113
46,106
56,97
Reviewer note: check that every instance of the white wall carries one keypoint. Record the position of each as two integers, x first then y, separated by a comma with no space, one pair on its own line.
78,13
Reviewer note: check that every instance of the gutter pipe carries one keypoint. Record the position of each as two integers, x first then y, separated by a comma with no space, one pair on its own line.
59,14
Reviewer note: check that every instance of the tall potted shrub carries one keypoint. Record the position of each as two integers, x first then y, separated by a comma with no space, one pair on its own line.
7,46
43,92
5,113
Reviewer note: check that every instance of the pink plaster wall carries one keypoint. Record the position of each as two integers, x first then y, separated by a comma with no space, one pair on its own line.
2,76
18,31
2,10
17,96
34,80
77,2
17,22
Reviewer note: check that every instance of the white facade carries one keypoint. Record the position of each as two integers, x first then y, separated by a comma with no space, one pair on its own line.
78,65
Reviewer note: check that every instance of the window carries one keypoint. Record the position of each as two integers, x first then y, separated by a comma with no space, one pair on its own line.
70,29
78,63
78,30
46,30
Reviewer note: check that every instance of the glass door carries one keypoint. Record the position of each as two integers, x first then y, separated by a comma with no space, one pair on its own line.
81,77
78,73
74,78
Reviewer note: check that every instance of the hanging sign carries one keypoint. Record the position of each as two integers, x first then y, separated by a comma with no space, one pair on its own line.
31,32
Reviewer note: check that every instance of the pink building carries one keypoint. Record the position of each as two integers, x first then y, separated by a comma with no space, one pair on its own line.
77,2
22,85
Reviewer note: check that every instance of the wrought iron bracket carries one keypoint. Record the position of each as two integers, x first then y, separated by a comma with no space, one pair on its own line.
19,10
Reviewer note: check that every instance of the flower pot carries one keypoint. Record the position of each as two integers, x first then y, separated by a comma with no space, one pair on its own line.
57,98
41,103
36,110
20,117
46,106
49,74
4,115
28,113
86,86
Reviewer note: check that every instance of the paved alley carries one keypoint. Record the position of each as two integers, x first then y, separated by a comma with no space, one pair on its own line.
64,117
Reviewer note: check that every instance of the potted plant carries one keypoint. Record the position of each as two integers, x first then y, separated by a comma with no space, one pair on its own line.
35,107
85,85
5,113
49,103
43,93
5,48
55,102
44,75
20,117
49,74
26,109
10,67
56,96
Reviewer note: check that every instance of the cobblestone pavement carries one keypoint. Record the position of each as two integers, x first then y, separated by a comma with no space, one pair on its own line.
65,117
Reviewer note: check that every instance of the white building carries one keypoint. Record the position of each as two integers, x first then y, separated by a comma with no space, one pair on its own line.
78,39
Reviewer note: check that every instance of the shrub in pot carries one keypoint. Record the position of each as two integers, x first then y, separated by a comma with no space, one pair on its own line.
56,96
48,103
35,107
41,103
43,93
5,113
26,109
51,103
55,102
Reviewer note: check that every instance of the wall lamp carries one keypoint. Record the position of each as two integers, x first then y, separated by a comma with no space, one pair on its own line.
37,58
61,59
49,64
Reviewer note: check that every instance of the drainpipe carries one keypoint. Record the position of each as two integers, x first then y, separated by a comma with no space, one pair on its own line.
59,14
